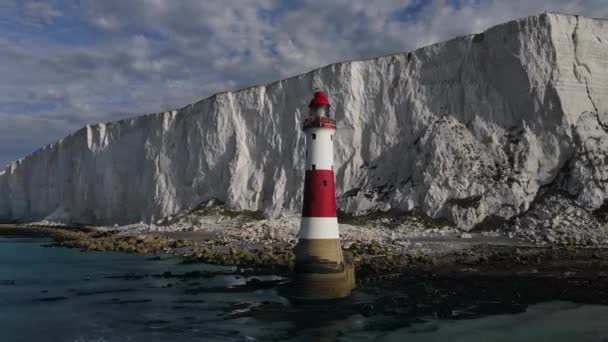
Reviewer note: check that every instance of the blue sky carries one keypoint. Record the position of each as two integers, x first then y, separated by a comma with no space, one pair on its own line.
65,64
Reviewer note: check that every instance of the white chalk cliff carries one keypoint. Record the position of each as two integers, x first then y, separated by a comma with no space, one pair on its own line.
468,130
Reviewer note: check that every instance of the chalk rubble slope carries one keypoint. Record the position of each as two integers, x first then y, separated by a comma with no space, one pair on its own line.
469,130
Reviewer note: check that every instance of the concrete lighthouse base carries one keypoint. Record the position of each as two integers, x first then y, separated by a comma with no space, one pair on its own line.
329,277
318,251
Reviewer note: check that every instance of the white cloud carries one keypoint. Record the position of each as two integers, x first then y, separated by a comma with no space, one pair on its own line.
42,10
107,22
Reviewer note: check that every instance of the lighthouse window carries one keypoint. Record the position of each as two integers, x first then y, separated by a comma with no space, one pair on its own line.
324,182
314,167
331,137
314,136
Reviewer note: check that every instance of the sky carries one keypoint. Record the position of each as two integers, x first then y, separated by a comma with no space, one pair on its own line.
65,64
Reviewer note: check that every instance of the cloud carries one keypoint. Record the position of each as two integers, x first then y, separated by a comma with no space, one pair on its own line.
108,23
66,64
43,11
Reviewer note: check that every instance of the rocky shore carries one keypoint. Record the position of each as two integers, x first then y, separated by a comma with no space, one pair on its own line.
445,277
375,261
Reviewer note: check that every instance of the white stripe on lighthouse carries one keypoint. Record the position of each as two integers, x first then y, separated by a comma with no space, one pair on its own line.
319,228
320,149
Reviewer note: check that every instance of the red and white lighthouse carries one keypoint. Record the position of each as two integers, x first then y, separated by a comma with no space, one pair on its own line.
319,221
320,266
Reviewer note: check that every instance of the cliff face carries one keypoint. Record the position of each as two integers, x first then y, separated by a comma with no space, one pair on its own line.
467,129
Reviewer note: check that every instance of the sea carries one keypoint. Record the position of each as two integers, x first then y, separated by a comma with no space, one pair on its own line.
60,294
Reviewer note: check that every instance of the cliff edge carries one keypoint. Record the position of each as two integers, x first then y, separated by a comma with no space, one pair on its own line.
469,129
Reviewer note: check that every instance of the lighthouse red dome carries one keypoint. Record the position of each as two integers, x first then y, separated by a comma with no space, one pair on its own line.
319,100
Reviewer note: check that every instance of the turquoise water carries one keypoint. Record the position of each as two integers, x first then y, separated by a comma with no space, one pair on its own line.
59,294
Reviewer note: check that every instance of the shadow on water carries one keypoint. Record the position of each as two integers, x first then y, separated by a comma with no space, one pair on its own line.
119,297
415,299
455,296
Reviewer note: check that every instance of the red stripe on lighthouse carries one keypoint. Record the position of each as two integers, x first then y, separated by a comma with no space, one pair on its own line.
319,194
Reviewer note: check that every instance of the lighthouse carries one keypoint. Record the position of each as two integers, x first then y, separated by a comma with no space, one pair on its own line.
321,269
